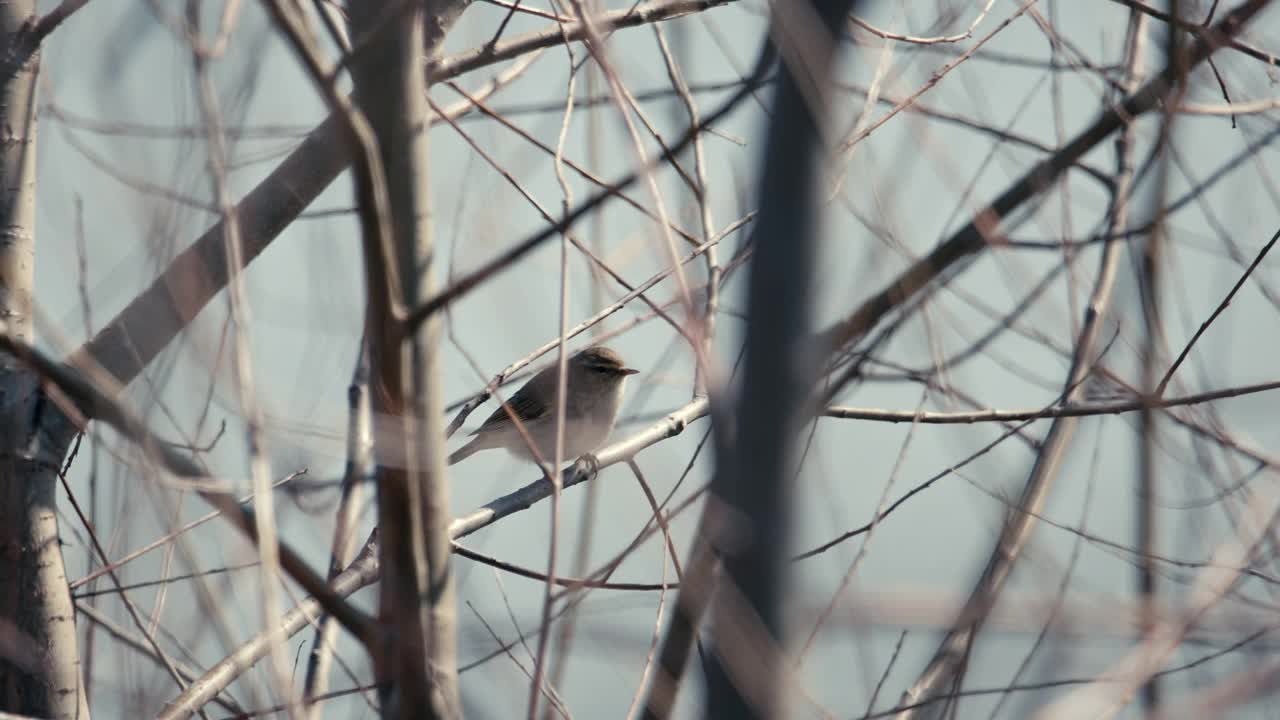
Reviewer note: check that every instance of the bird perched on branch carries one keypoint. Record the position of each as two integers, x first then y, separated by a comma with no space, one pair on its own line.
594,384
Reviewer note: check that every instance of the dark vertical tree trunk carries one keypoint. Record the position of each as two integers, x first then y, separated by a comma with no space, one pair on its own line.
780,365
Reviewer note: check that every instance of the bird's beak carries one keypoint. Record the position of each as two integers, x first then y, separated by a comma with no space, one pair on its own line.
628,371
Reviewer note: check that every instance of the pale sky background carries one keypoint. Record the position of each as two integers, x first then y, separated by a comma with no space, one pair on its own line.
914,180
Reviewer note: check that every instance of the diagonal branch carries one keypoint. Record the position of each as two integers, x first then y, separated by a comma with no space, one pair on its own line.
944,260
75,395
522,248
136,335
946,668
365,570
1113,407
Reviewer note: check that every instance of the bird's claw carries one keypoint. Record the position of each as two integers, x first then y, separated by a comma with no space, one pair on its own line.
588,465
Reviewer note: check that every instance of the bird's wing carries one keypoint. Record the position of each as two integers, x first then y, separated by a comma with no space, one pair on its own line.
524,404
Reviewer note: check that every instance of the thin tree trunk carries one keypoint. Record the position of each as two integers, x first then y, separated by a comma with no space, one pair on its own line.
40,672
418,667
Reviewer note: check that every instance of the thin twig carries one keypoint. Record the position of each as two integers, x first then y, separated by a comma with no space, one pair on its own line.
1053,411
1222,306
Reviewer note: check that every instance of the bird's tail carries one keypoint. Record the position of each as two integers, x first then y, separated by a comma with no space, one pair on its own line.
465,451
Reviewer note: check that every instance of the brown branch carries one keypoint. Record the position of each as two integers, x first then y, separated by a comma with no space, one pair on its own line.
139,332
165,539
1218,35
973,238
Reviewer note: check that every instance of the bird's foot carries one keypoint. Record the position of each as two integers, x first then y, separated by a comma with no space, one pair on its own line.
587,465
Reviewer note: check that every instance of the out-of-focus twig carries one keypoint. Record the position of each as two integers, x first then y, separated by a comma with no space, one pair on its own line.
984,228
945,669
1054,411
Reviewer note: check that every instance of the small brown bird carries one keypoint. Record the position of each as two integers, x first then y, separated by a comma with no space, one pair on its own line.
594,383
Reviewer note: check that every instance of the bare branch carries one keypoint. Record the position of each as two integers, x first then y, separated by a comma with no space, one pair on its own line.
77,393
1085,409
943,673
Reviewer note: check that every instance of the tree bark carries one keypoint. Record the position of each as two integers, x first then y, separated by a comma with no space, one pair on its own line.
417,669
40,670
